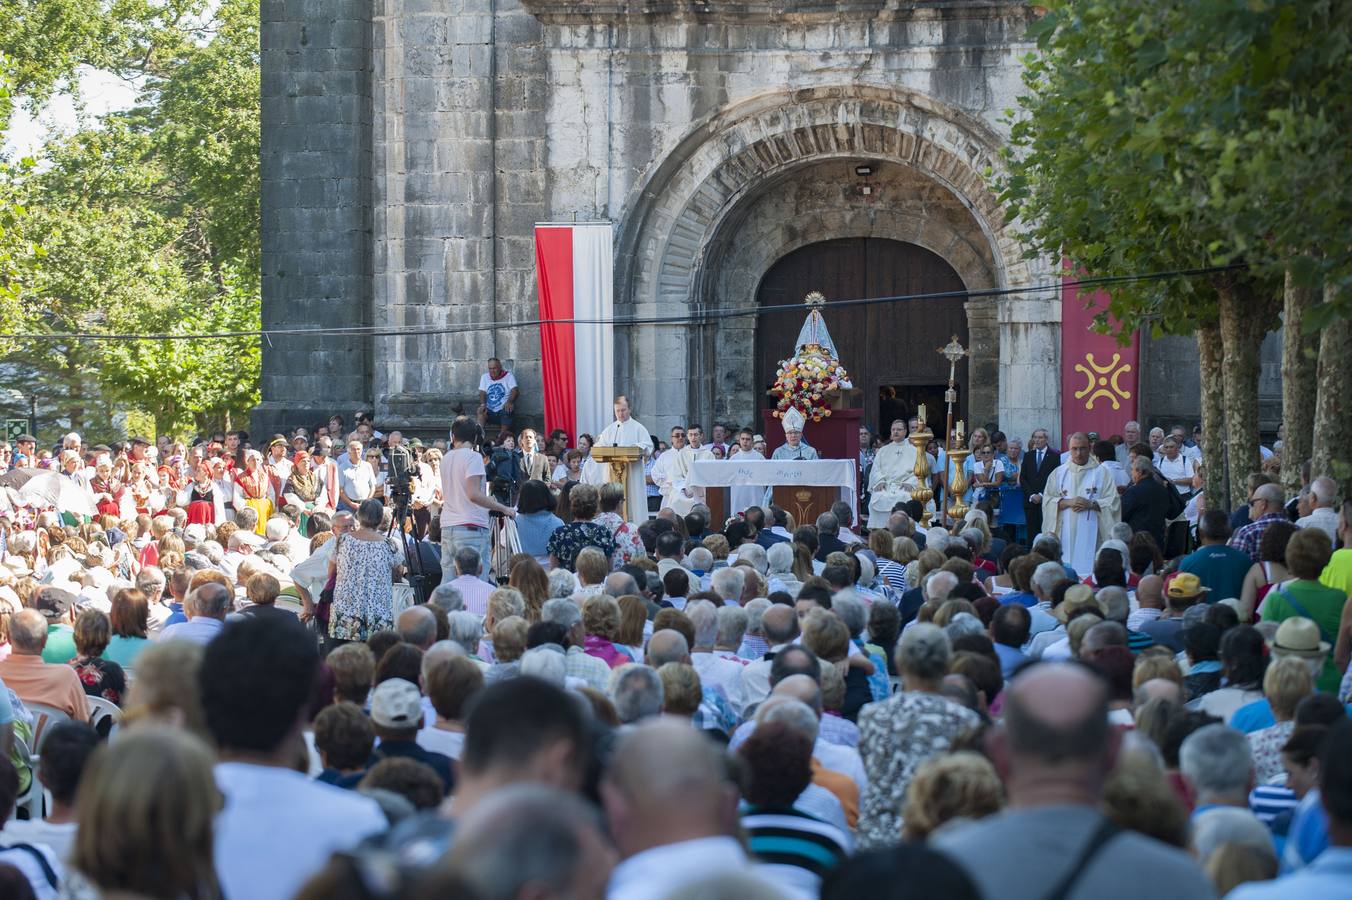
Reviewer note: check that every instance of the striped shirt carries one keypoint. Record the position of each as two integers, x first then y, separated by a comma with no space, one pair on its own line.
894,573
799,848
1268,801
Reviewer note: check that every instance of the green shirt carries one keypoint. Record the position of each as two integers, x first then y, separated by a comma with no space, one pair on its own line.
1338,573
1219,568
1324,605
60,647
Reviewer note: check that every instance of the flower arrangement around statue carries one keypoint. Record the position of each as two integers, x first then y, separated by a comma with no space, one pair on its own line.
808,381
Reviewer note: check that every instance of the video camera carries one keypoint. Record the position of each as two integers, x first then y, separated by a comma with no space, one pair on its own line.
403,469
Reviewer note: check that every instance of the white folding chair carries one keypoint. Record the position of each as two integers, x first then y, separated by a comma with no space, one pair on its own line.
101,710
31,799
290,603
43,717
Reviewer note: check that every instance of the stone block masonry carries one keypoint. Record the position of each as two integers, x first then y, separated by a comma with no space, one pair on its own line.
316,208
409,147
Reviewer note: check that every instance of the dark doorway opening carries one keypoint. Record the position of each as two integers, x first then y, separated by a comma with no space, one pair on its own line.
882,345
900,401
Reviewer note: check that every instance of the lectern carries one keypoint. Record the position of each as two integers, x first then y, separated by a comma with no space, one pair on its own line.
624,466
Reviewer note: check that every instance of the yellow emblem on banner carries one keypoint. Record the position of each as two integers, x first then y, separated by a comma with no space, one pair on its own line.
1102,381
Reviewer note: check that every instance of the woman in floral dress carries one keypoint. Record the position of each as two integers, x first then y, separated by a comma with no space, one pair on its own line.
98,676
567,542
628,545
362,569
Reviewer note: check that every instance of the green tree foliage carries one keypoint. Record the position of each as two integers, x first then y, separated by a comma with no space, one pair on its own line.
1182,134
17,255
149,224
46,42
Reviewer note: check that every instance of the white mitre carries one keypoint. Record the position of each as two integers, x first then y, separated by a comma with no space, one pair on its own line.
793,420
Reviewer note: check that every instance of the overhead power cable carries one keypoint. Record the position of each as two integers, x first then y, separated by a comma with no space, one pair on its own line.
694,317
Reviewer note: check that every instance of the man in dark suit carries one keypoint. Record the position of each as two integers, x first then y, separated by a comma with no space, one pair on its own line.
1145,505
1038,464
755,516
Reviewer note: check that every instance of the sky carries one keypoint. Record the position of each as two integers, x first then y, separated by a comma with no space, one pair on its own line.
100,93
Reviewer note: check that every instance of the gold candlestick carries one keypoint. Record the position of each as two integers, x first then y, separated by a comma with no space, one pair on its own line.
922,471
954,352
958,509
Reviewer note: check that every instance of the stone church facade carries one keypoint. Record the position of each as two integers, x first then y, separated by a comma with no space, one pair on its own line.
410,146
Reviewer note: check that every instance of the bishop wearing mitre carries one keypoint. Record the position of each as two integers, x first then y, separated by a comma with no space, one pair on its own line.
892,477
1080,505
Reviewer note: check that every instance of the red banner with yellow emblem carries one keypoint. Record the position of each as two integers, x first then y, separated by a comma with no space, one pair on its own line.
1099,377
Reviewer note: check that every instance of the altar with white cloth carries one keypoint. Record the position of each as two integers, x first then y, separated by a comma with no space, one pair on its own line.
805,488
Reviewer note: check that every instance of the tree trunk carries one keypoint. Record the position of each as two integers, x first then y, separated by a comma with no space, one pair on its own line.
1213,413
1298,382
1243,326
1332,425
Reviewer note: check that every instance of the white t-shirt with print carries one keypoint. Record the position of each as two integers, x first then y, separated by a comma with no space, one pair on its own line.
496,392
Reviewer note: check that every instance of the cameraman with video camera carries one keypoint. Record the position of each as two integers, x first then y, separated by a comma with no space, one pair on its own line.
465,505
504,468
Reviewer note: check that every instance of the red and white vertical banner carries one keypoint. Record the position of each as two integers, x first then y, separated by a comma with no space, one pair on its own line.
1099,377
575,272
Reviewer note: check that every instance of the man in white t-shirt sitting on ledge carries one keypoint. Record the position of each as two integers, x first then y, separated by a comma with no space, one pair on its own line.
497,397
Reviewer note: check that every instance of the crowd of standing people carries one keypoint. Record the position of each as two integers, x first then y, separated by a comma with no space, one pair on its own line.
329,668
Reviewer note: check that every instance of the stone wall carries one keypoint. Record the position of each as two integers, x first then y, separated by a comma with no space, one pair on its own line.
458,183
1171,383
433,134
316,208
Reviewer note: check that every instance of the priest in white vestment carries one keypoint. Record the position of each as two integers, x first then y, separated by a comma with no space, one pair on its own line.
1080,505
670,473
743,495
623,432
892,478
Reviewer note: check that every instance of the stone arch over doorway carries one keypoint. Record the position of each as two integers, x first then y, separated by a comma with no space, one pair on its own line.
689,241
888,348
822,201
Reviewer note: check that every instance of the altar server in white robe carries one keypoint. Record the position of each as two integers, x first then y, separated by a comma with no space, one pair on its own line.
743,495
695,450
1080,505
892,478
670,472
623,432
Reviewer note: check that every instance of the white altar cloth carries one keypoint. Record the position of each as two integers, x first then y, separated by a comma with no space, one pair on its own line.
708,473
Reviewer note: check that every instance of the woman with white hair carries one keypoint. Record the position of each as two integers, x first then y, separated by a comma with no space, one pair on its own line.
562,584
779,569
866,586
